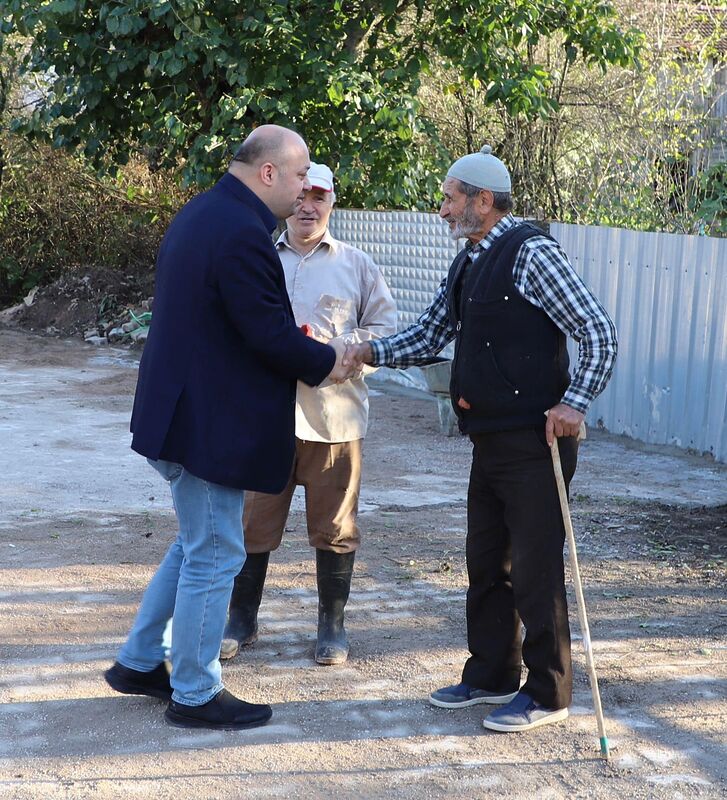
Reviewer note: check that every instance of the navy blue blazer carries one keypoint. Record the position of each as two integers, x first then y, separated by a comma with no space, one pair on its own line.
217,379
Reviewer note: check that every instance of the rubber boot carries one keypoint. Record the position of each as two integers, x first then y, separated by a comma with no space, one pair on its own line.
241,628
334,572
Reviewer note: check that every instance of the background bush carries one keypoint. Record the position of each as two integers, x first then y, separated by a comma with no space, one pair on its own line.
57,216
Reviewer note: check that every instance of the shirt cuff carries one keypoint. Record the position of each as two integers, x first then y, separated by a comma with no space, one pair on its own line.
381,352
576,399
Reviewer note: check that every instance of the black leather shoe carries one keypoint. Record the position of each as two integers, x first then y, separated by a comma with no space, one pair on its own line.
223,712
132,681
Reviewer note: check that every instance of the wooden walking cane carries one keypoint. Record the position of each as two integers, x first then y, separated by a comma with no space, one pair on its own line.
580,601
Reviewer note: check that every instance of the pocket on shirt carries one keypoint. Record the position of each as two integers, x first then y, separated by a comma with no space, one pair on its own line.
337,314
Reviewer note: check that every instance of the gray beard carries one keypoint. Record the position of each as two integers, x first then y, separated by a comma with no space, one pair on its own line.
467,224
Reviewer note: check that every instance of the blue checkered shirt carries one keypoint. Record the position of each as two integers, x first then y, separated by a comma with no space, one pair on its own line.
544,277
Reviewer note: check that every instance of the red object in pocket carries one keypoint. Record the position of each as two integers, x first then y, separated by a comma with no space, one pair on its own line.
307,330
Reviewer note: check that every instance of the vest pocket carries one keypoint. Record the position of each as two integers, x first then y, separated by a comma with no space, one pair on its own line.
482,383
512,389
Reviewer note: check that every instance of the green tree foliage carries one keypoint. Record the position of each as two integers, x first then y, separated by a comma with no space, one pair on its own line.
710,203
184,80
639,147
666,126
57,214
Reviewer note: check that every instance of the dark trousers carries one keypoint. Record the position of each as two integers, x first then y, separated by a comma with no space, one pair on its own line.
515,538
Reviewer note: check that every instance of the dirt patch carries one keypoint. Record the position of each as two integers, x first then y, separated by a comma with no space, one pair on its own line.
92,299
85,523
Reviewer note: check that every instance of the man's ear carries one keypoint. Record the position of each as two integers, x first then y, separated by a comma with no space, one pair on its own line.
487,200
267,173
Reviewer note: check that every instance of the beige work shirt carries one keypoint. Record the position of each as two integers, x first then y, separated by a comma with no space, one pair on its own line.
339,291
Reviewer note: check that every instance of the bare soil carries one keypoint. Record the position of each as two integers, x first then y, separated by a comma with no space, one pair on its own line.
85,522
91,298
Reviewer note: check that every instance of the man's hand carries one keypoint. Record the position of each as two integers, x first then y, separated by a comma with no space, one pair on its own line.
562,421
342,370
357,355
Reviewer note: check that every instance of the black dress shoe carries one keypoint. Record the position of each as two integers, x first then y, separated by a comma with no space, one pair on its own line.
132,681
224,712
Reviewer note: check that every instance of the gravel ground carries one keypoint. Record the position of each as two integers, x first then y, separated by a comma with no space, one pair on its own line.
85,521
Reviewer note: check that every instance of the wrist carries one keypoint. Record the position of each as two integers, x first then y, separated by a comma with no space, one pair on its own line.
368,355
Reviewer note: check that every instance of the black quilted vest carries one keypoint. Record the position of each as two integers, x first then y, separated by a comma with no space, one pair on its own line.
510,359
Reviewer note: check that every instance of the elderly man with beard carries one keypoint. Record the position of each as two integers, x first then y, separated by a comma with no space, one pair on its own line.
509,301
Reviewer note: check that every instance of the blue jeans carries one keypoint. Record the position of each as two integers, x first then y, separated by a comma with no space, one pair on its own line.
193,585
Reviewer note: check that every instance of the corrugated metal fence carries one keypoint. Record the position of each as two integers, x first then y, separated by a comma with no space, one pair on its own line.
666,292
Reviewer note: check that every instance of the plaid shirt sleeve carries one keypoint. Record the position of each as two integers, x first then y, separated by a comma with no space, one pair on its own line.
421,341
545,277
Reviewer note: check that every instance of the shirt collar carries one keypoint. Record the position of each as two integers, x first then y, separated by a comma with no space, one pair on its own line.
327,240
496,232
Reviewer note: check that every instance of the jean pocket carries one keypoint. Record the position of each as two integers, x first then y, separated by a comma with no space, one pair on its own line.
169,470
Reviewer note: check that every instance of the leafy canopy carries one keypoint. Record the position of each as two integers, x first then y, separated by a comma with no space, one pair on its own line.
185,80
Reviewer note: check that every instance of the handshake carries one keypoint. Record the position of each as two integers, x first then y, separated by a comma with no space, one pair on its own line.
350,359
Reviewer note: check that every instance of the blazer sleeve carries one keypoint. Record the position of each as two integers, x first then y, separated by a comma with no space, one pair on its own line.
248,276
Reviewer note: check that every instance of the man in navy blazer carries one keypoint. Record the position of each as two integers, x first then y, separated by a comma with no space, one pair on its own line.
214,413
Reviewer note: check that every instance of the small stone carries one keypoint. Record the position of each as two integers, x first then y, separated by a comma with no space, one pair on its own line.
116,335
139,336
7,314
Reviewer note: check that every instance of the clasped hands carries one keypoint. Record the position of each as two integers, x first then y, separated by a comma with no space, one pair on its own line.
350,359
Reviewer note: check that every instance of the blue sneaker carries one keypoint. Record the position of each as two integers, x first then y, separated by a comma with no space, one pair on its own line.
522,714
462,695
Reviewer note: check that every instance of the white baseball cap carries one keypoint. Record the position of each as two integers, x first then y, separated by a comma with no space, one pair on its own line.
482,170
320,177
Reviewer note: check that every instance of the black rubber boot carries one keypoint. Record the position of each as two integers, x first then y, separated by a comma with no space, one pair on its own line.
334,572
241,628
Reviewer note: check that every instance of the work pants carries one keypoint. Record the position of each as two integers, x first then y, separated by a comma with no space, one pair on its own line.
515,538
331,475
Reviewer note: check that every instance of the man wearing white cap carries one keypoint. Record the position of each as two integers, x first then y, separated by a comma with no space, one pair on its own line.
337,293
509,301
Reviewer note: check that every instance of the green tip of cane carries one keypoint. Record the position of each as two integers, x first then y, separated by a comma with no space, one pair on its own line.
604,746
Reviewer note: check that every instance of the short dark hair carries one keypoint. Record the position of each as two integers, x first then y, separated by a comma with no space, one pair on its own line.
501,201
257,148
468,189
249,152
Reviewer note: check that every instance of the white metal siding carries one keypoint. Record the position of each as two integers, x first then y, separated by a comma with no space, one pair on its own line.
668,296
666,292
412,249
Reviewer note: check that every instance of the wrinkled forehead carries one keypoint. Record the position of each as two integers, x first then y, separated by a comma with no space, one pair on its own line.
450,187
316,193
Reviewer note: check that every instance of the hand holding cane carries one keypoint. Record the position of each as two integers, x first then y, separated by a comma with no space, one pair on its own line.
580,601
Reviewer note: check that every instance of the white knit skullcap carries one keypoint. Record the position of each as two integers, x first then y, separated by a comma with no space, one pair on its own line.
482,170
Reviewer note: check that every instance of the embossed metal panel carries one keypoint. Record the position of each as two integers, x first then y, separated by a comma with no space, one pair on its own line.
412,249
